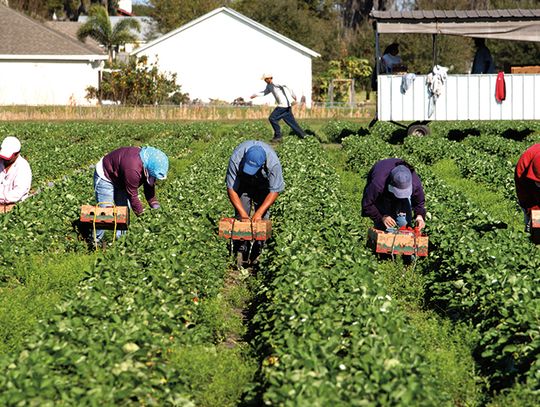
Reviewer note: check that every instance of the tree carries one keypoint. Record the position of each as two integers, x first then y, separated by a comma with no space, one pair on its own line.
99,28
138,83
171,14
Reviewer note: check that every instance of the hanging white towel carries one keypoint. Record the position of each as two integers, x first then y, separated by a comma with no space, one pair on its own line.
435,82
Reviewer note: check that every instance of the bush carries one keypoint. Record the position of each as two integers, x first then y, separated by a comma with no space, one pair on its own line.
138,83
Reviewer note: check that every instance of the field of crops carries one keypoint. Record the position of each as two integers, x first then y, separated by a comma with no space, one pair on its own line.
163,318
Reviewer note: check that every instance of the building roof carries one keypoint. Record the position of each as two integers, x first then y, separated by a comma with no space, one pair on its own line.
70,29
242,18
457,15
22,36
515,25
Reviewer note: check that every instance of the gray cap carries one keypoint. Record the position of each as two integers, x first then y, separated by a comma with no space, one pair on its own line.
401,182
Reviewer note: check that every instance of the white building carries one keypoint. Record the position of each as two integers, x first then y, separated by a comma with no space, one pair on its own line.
223,54
41,66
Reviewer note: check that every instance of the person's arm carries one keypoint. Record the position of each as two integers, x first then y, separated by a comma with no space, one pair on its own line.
371,193
237,203
267,203
131,180
21,187
150,195
418,201
265,92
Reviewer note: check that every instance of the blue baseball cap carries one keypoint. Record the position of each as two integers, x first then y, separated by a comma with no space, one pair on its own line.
254,159
400,182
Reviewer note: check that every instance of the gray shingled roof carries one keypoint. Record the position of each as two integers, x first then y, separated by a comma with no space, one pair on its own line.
456,15
70,29
20,35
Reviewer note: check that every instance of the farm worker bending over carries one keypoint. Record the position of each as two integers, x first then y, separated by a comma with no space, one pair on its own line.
527,179
284,99
119,175
393,191
254,177
15,172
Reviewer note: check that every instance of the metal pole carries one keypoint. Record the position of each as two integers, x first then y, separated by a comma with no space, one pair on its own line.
434,45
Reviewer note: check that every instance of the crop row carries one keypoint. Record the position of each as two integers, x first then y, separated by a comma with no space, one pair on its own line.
330,333
126,335
478,273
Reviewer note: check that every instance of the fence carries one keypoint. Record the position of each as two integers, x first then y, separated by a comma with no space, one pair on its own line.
364,110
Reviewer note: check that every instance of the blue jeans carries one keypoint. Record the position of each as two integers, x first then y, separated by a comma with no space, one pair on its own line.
105,191
284,113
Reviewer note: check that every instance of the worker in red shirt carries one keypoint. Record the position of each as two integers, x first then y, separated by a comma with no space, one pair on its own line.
527,179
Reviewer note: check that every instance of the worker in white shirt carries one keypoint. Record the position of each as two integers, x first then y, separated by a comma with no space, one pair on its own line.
285,98
15,173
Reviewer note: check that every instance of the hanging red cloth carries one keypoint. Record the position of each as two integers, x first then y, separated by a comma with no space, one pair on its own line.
500,87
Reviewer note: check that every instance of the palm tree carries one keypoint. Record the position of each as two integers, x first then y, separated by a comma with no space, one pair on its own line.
99,27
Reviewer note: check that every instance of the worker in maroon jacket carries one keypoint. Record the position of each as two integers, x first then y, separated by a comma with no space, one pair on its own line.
392,193
119,175
527,179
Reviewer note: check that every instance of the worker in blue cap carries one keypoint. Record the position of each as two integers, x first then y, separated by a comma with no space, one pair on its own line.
254,179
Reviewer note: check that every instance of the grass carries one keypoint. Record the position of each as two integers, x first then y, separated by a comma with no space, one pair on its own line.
492,203
174,113
218,376
32,292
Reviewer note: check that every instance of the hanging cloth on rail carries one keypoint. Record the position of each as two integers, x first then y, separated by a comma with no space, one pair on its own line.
435,85
500,87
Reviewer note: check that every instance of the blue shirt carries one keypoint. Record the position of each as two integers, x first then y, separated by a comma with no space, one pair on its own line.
271,172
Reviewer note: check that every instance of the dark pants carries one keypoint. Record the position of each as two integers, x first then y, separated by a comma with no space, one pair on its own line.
255,198
284,113
400,210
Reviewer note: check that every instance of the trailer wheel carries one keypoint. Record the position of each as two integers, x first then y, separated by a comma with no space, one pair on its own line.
418,130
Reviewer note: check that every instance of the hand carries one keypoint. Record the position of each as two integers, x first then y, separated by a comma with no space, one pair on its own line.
253,96
420,223
389,221
256,217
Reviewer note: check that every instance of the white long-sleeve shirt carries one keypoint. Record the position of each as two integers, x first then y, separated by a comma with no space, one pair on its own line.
15,183
283,95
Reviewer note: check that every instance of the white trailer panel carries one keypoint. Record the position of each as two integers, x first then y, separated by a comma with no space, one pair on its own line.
465,97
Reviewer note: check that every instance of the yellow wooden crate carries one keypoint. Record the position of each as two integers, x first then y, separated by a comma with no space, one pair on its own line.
106,218
235,229
400,242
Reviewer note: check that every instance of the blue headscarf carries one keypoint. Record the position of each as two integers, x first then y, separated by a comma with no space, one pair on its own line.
155,162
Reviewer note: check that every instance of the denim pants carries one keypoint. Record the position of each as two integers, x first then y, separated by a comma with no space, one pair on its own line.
284,113
105,191
255,197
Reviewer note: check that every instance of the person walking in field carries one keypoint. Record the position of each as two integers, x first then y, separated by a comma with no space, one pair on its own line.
119,174
15,174
285,98
392,193
527,181
254,179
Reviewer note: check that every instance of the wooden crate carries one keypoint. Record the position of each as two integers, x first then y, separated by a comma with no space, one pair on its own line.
235,229
5,208
105,217
525,69
401,242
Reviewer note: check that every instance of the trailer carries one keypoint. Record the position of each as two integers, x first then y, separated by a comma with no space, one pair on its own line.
464,96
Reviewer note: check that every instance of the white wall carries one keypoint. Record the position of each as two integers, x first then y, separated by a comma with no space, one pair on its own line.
223,58
38,82
465,97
